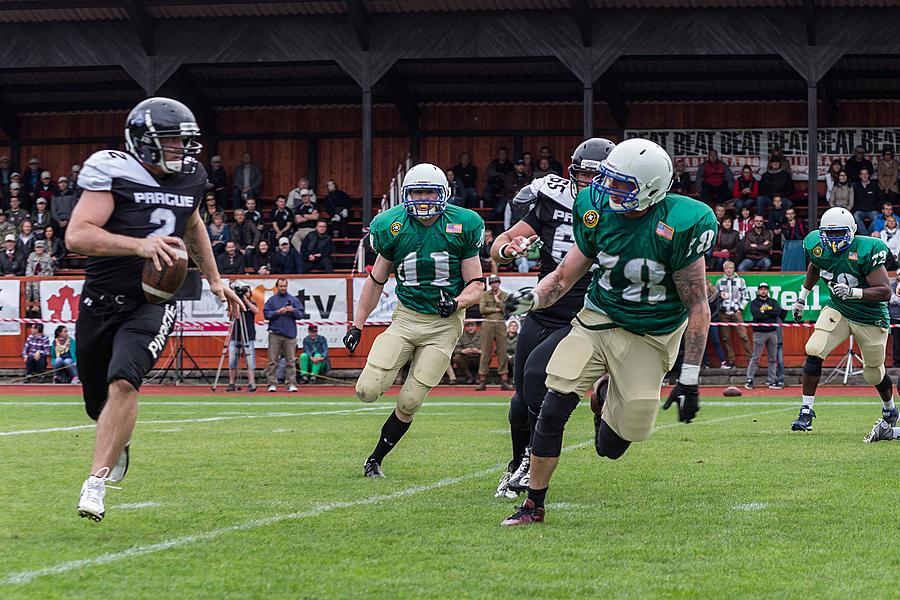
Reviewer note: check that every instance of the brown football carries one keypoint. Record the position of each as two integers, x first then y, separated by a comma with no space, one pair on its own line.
160,286
732,392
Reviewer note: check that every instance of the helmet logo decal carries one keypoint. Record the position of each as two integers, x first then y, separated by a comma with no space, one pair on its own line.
591,218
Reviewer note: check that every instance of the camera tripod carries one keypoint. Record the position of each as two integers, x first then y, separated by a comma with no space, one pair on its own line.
238,325
177,359
845,367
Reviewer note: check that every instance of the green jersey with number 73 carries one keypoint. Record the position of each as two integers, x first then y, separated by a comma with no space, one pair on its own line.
851,266
427,259
637,257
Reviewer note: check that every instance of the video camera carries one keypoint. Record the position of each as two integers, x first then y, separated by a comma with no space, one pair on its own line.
241,289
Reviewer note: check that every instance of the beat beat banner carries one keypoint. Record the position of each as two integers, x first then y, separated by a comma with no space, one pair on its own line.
737,147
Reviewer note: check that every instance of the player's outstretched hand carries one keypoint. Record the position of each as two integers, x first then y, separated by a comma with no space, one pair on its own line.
518,303
798,309
160,249
687,397
226,294
351,340
448,305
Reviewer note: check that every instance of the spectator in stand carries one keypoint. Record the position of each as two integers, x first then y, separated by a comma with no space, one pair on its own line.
515,181
5,172
793,228
887,210
56,248
338,207
887,173
314,359
219,233
209,208
715,306
529,164
757,247
16,178
867,201
6,228
282,311
720,212
45,188
230,262
62,356
261,259
775,218
73,180
243,232
248,180
733,292
467,353
316,250
493,333
745,222
39,264
842,193
512,340
457,190
746,189
30,181
16,212
496,176
727,246
305,217
36,351
774,182
765,310
542,169
11,260
282,218
858,162
555,165
714,179
487,263
252,214
894,311
831,177
467,173
778,153
62,205
218,179
681,179
286,261
26,237
293,198
889,236
40,218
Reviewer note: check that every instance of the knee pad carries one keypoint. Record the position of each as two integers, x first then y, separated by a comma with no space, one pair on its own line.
609,444
369,386
884,385
411,396
568,363
875,375
555,412
812,366
430,365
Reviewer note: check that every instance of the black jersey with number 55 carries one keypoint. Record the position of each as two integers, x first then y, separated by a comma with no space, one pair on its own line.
144,206
551,219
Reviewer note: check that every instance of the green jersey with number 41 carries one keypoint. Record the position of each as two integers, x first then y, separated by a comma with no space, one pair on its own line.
427,259
637,257
851,266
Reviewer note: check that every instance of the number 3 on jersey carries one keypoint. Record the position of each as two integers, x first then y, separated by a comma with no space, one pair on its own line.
408,271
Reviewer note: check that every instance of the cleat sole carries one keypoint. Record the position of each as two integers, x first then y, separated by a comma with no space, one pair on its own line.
89,515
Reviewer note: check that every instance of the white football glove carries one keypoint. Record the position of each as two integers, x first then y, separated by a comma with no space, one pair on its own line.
845,292
798,309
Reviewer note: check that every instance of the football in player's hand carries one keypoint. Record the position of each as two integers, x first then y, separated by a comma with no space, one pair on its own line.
160,286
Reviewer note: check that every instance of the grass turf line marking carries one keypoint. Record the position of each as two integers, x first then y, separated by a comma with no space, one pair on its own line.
136,505
23,577
200,420
751,506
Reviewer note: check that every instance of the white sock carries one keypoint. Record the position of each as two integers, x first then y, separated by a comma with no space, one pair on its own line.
889,404
808,400
896,432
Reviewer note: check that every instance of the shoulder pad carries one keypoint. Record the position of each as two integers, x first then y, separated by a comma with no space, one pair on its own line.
99,171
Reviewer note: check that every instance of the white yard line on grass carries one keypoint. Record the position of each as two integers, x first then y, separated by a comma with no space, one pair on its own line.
135,505
28,576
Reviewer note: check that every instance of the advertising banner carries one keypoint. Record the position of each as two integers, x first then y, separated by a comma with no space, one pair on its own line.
9,307
785,288
59,301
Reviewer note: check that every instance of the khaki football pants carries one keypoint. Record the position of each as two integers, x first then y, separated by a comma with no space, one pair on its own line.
426,339
832,329
636,365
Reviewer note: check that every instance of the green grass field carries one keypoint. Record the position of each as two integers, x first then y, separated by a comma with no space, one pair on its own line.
233,497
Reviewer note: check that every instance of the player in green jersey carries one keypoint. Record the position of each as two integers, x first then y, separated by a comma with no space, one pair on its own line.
649,289
853,268
432,248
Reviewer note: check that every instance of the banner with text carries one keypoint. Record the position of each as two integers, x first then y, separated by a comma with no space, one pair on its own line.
737,147
784,288
9,307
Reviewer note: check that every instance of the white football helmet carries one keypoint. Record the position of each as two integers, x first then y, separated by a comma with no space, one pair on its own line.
429,178
837,228
635,176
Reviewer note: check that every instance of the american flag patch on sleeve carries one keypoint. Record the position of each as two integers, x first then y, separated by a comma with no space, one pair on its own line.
454,228
853,256
664,230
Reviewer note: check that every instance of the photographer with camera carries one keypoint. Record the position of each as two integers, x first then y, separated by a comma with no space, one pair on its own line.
243,336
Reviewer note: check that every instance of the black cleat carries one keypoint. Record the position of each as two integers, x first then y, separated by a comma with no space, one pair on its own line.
372,468
804,421
598,399
527,514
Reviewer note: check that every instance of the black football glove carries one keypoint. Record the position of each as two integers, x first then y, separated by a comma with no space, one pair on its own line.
518,303
688,399
351,340
448,305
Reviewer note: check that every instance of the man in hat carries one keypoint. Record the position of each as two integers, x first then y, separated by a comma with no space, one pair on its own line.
315,355
11,260
39,264
63,203
493,333
16,213
40,218
765,309
305,216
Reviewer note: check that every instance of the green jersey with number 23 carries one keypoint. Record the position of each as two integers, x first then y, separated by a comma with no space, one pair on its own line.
427,259
637,257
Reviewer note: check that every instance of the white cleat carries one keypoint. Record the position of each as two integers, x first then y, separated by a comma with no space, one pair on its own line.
518,481
292,388
118,472
90,504
503,490
881,431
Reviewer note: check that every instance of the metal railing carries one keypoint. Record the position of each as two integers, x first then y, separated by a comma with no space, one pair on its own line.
389,199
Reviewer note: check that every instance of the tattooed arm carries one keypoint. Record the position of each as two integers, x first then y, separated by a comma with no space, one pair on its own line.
554,286
690,282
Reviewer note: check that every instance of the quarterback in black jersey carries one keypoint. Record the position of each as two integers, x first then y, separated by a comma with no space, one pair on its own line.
548,222
134,205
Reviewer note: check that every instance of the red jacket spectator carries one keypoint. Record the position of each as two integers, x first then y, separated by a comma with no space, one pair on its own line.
742,183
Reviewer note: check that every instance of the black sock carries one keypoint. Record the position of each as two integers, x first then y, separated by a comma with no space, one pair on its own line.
520,440
391,432
537,496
